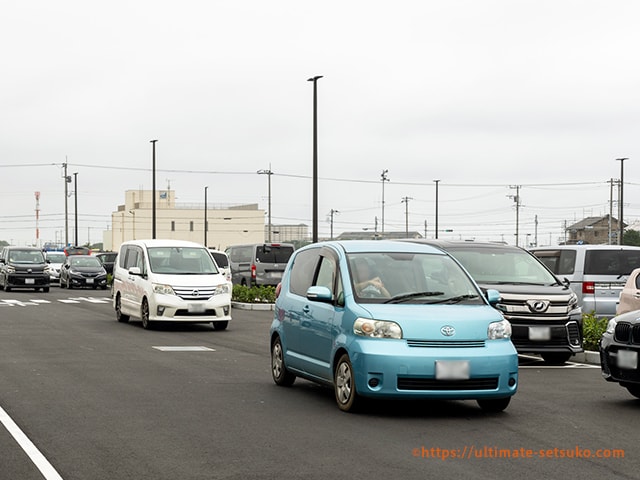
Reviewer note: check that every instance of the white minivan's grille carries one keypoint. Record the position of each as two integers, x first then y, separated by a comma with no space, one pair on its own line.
195,293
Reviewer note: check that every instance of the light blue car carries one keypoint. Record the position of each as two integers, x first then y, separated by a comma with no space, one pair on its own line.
390,320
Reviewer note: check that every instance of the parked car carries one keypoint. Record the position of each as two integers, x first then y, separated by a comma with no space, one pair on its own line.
80,271
629,299
76,250
23,267
107,260
222,261
54,264
258,263
543,311
169,281
417,328
619,347
597,273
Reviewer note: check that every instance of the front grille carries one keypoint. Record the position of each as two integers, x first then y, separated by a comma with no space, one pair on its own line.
446,343
627,333
413,383
183,312
194,293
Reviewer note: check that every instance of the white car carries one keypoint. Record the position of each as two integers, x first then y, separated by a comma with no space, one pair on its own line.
222,261
169,281
54,264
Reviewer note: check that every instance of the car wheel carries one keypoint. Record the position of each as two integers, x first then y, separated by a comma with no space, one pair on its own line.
633,390
279,372
220,325
7,288
119,315
493,405
556,358
344,385
45,289
144,315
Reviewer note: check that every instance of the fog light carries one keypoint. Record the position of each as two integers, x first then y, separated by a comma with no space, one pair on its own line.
512,382
374,382
160,310
226,310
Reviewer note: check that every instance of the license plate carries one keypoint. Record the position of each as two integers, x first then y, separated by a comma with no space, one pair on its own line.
539,333
29,281
452,369
276,274
628,359
196,307
89,281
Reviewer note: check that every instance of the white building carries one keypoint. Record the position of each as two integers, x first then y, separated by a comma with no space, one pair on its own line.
227,224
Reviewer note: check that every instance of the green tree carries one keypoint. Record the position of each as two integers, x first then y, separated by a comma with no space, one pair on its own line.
4,243
631,237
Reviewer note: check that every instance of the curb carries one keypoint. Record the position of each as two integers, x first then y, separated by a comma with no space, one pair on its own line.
586,357
253,306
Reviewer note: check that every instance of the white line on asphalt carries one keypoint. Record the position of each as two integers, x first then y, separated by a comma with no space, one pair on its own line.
41,463
184,349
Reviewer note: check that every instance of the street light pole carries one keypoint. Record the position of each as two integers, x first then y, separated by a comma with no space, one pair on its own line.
205,215
75,197
268,173
153,193
315,156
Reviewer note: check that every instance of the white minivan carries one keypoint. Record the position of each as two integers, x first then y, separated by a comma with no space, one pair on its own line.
169,281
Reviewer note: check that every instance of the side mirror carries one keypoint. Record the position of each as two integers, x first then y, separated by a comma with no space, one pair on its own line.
493,296
135,271
319,294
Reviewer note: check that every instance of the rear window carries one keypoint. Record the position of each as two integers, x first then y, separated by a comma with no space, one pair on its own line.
560,262
273,253
611,262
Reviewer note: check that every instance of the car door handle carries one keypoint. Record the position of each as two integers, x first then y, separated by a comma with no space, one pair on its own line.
306,309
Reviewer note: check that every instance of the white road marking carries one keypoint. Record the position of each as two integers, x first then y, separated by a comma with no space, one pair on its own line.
184,349
41,463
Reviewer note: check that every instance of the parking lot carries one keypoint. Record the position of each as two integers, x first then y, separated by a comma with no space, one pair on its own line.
86,397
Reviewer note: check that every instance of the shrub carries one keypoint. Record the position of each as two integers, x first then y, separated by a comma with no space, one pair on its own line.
593,328
260,294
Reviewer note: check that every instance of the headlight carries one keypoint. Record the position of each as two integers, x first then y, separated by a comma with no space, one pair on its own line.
377,328
11,269
498,330
223,288
611,326
164,289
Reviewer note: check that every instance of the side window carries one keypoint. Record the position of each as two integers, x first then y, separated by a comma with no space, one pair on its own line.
638,281
303,271
122,257
327,274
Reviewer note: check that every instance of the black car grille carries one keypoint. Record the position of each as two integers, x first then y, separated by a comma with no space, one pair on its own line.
446,343
413,383
627,333
561,335
183,312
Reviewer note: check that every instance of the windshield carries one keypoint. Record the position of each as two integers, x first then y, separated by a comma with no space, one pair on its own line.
56,257
84,261
503,265
273,253
26,256
386,277
181,261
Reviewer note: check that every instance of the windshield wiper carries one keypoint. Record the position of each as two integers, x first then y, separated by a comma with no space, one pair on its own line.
457,299
407,296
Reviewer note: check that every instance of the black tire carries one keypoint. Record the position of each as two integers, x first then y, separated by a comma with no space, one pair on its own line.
494,405
633,390
121,317
45,289
281,376
555,358
222,325
7,288
144,315
345,386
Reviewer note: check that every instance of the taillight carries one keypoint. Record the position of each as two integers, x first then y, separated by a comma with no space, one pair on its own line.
588,287
253,271
278,288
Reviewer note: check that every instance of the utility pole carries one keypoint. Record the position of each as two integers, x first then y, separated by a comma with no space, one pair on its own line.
384,178
610,236
67,179
516,198
437,182
268,172
405,200
153,188
332,213
621,203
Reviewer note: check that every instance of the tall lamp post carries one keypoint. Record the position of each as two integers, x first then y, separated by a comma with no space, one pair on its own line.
621,203
315,156
205,215
153,188
268,172
75,197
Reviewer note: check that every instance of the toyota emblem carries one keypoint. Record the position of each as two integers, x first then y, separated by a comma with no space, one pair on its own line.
538,306
448,331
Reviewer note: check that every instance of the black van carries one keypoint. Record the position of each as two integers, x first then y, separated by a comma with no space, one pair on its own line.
23,267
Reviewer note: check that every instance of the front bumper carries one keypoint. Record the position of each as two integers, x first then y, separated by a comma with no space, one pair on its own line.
17,280
609,364
392,368
560,337
90,282
171,308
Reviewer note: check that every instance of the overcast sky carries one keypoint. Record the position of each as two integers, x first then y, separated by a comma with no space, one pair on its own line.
480,95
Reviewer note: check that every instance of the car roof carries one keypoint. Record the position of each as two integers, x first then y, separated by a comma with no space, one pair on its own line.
587,247
163,243
462,244
363,246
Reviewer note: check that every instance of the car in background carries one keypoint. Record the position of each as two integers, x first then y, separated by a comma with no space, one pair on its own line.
597,273
629,299
107,259
23,267
222,261
619,348
544,312
83,271
384,319
71,250
258,264
54,264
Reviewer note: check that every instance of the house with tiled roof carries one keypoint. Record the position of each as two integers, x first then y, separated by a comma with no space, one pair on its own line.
594,230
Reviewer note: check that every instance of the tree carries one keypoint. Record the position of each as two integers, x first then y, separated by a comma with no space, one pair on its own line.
4,243
631,237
